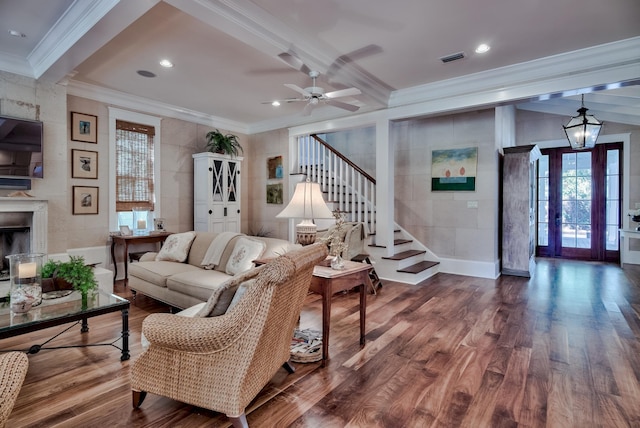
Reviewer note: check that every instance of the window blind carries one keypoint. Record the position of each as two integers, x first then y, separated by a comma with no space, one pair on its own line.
134,166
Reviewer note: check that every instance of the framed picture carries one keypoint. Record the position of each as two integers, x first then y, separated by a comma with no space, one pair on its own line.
85,200
158,224
84,164
274,167
454,169
125,231
274,193
84,127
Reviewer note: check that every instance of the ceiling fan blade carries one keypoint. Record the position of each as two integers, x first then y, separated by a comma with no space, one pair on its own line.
342,105
343,93
308,109
297,89
350,57
294,62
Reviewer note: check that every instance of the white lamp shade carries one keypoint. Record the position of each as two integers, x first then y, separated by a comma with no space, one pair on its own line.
306,203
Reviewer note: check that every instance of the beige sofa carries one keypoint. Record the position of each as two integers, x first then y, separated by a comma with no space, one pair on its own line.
183,285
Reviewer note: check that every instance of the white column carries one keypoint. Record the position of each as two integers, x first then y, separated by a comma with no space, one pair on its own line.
385,174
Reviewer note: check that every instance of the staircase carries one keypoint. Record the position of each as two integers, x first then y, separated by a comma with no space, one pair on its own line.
351,190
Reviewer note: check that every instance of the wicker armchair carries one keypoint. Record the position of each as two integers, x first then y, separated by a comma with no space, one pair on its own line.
221,363
13,369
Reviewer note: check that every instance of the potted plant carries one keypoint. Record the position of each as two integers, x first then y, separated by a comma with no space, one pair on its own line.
73,274
228,144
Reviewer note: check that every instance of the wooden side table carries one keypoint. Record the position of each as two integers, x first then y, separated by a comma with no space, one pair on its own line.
125,241
327,281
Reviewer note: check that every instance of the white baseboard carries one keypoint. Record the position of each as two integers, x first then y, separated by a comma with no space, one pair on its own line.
489,270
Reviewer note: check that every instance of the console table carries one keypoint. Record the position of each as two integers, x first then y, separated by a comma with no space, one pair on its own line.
125,241
327,281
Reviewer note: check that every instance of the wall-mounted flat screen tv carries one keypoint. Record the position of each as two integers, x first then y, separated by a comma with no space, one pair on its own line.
20,148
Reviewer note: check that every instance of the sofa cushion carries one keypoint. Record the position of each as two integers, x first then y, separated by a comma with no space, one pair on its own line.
245,251
223,295
198,283
176,247
158,272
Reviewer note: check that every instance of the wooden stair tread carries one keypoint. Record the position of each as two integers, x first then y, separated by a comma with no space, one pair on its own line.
419,267
401,241
405,255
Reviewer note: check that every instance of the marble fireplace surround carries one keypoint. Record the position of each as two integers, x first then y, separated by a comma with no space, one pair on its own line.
31,212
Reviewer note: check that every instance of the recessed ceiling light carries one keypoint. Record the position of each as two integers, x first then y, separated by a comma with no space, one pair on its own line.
275,103
166,63
483,48
145,73
16,33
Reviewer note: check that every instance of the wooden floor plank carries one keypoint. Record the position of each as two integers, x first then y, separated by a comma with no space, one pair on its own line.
560,349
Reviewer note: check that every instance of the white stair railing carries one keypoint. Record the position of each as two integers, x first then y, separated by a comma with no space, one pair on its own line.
345,184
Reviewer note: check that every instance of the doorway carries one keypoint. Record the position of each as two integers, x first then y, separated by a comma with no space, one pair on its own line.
579,200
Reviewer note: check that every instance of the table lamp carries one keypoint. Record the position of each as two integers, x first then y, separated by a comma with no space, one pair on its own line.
307,203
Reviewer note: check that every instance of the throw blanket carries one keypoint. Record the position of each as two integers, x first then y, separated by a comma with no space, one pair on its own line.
212,257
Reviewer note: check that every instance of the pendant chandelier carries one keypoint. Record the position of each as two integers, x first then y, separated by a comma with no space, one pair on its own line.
582,130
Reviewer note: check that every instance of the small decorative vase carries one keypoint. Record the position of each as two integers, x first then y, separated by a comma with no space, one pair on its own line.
337,263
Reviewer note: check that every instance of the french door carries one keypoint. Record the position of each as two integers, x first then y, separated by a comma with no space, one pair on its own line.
579,203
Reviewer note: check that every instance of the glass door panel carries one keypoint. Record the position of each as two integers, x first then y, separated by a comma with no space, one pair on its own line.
579,203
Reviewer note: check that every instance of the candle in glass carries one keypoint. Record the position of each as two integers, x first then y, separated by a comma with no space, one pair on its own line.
27,270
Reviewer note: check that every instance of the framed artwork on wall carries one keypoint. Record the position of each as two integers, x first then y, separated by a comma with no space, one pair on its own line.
84,127
84,164
274,193
454,169
85,200
274,168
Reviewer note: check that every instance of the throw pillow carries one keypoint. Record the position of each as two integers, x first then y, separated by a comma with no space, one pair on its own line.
242,289
224,294
244,253
176,247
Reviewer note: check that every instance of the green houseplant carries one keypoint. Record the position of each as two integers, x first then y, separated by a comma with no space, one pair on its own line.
217,142
74,272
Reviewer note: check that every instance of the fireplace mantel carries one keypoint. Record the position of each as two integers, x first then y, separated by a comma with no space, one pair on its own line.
38,221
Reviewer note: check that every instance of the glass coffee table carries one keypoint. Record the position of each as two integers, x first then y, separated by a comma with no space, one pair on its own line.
65,310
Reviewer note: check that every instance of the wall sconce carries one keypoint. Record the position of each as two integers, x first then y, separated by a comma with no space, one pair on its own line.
307,203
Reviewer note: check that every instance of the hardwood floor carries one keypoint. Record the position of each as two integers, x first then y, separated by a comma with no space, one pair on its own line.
559,350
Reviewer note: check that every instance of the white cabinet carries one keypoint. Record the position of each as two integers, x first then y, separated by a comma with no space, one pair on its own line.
216,187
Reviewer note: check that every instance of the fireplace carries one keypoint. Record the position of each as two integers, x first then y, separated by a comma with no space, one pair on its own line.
13,240
25,219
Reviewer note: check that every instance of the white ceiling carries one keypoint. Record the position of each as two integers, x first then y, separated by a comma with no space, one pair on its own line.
226,54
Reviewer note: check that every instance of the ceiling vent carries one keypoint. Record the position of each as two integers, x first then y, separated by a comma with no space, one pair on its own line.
452,57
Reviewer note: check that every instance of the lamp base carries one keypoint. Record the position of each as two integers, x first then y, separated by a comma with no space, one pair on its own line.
306,233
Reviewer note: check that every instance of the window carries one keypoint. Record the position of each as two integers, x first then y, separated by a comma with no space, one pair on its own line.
134,166
134,179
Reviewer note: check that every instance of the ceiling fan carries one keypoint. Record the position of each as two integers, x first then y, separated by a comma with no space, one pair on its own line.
314,95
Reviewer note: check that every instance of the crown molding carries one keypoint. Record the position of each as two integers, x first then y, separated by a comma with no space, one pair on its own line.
618,60
71,27
121,99
16,65
625,115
